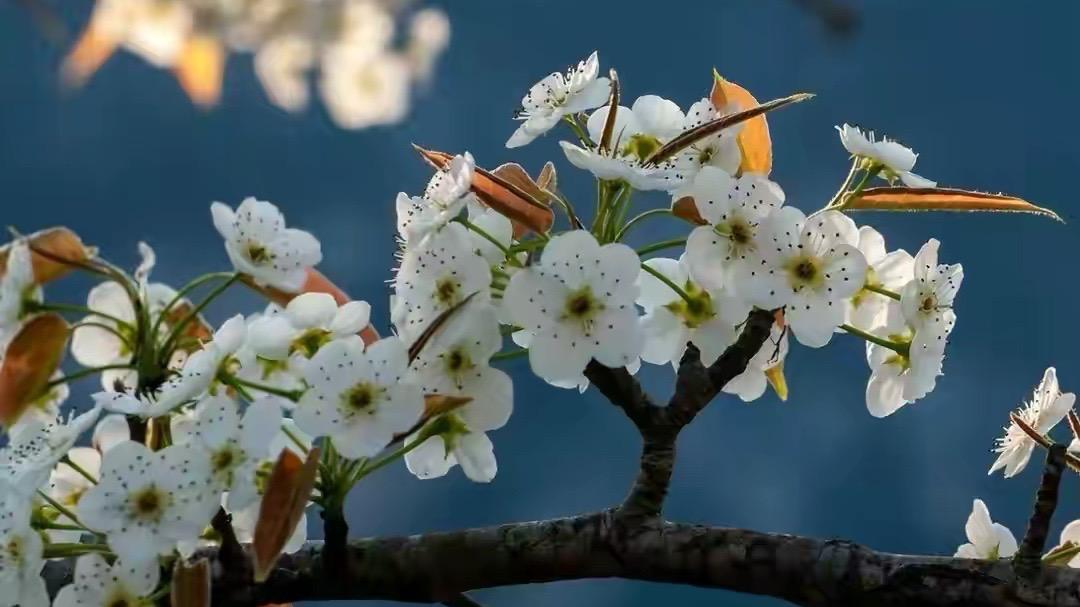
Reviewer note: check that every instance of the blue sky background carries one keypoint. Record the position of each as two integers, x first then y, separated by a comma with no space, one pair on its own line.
984,91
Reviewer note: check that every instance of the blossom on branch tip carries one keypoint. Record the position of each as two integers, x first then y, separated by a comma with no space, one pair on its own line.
444,198
719,150
32,452
893,270
307,323
259,244
575,305
986,539
895,160
558,95
927,300
899,378
1048,406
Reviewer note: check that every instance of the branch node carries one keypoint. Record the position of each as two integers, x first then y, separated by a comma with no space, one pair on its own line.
1028,558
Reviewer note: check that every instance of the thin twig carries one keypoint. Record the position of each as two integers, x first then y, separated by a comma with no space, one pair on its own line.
1028,557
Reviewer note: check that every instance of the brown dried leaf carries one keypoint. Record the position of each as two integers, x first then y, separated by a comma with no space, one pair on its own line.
429,331
437,404
190,583
688,138
754,141
613,111
200,70
316,282
31,358
686,209
517,204
90,52
54,252
941,199
286,497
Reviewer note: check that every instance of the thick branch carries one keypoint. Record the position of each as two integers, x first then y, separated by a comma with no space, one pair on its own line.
436,567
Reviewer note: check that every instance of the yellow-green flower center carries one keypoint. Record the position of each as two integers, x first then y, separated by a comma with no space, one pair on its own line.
804,271
447,291
582,306
361,397
641,146
257,253
693,311
309,342
148,504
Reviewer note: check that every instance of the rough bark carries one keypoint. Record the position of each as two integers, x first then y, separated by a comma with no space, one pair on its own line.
632,541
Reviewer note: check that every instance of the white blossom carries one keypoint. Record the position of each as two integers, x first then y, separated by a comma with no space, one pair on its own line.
899,378
67,486
577,304
1070,537
559,95
866,309
31,453
896,160
809,265
308,322
444,198
1048,406
146,501
362,90
110,431
986,539
709,320
719,150
259,244
21,582
766,365
927,301
17,287
98,584
734,209
357,397
639,131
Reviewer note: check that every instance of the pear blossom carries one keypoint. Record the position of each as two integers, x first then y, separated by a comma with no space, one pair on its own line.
21,582
46,407
33,451
259,244
892,271
559,95
281,65
455,363
577,304
357,398
110,431
147,500
435,277
360,89
709,320
498,227
98,584
1070,537
444,198
734,209
809,265
17,287
1048,406
236,445
899,378
895,160
765,367
986,539
194,379
927,301
719,150
307,323
639,131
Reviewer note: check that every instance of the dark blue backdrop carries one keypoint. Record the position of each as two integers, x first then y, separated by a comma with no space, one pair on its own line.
985,91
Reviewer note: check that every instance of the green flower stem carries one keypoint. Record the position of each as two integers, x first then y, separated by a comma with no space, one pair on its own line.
509,354
867,176
883,291
839,195
899,348
389,458
295,439
660,246
579,132
75,309
184,322
528,245
618,214
61,508
107,328
637,219
488,237
81,373
291,395
670,283
57,527
184,290
56,551
77,468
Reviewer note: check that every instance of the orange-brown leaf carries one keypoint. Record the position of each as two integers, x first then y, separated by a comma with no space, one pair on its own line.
283,504
316,282
941,199
754,141
200,70
190,583
519,205
437,404
195,332
54,252
90,52
31,358
686,209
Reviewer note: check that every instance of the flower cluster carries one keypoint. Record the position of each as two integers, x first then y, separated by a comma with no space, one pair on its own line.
365,75
193,427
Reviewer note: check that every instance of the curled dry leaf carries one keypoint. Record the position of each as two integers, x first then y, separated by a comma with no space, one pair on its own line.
754,141
195,333
526,210
941,199
200,70
613,109
54,253
316,282
438,404
31,358
286,497
190,583
688,138
686,210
